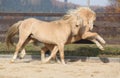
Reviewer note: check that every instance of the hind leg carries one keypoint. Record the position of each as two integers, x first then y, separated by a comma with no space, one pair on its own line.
18,47
23,51
21,43
43,51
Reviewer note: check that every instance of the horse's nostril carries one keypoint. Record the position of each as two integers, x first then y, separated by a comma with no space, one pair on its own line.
94,25
76,25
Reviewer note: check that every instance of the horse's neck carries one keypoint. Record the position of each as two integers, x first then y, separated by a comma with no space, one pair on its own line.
65,27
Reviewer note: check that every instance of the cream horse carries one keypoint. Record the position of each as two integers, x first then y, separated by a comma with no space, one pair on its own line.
88,17
97,39
84,33
55,32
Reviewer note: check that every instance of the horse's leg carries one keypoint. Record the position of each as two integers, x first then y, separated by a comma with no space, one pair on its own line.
50,47
95,38
100,39
88,35
97,43
18,47
53,52
23,51
56,59
93,35
61,50
43,51
22,38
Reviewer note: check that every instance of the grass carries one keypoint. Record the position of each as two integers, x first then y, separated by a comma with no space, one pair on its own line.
92,50
71,50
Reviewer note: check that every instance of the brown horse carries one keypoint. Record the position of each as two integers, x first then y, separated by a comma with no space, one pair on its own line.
54,32
89,17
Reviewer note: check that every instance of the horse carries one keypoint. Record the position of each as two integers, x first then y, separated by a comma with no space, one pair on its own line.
96,39
55,32
84,33
88,17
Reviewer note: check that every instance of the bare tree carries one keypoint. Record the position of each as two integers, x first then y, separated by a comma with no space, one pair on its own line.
114,5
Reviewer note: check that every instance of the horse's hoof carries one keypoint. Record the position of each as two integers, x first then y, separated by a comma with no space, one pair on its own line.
102,49
12,61
52,61
45,61
63,63
21,56
58,61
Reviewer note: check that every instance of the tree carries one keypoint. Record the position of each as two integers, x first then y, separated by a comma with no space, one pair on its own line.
114,6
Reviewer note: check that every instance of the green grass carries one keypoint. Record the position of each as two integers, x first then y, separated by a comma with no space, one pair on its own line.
71,50
92,50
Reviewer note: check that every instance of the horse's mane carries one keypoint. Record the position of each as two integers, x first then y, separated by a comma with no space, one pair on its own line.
79,11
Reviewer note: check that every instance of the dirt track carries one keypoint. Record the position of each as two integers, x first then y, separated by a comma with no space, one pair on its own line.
34,69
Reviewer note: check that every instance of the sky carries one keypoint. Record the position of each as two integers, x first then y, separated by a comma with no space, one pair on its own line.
92,2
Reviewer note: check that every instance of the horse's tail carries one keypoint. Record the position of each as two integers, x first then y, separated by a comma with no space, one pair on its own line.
11,33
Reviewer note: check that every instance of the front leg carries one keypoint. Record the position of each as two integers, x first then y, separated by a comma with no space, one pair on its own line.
22,53
45,49
89,35
97,44
93,35
100,39
53,53
95,38
61,50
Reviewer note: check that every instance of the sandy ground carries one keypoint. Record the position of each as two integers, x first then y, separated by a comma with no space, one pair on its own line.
28,68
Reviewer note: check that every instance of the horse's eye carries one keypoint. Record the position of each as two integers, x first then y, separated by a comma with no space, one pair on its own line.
77,25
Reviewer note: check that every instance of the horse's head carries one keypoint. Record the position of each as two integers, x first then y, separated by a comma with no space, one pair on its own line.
87,15
74,21
76,24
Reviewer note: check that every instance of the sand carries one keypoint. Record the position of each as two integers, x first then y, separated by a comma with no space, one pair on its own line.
29,68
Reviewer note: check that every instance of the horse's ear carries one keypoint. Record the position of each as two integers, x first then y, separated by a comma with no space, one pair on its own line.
65,17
